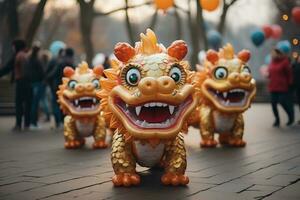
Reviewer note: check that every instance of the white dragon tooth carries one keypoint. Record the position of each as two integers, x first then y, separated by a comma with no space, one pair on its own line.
143,123
146,105
76,102
227,102
94,100
138,110
126,105
171,109
164,105
159,104
225,94
152,104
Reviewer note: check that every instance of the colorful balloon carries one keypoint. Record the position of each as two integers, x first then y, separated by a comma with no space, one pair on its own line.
296,14
164,4
276,31
214,38
257,37
267,30
284,46
56,46
209,5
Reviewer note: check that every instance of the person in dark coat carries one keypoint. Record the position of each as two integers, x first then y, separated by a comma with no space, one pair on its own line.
34,68
54,75
280,82
296,75
23,91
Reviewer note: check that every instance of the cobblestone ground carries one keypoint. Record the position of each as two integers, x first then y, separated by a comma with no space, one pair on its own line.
34,165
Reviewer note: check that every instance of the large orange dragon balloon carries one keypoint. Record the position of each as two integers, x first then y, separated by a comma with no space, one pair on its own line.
147,98
227,89
77,98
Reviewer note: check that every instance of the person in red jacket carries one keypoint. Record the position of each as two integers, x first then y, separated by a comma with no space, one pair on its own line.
280,80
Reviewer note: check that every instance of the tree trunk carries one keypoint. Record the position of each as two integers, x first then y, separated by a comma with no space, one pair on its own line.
221,26
35,22
194,33
12,32
130,31
178,24
201,25
153,20
86,26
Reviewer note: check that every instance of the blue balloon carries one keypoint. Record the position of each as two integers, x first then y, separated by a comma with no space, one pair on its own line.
268,59
214,38
284,46
258,37
56,46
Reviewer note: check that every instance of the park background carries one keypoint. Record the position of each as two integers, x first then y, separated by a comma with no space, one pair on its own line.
95,26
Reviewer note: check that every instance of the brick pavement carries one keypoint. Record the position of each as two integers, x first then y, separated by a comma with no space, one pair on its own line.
34,165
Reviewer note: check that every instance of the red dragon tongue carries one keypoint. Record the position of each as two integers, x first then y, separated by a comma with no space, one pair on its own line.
154,115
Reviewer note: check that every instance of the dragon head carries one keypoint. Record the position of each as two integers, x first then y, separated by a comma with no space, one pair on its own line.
77,93
148,93
228,83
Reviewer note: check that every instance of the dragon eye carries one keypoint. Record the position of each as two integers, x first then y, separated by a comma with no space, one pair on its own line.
133,76
246,69
220,73
175,73
96,83
72,84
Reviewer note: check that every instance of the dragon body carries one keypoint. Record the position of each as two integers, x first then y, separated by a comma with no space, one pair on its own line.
146,99
78,100
227,89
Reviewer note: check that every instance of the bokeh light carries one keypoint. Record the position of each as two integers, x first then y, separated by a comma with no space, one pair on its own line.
285,17
295,54
295,41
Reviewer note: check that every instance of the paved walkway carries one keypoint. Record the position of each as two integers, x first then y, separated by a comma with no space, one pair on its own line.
34,165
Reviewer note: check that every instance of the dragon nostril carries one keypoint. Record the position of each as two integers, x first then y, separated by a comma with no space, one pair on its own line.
166,83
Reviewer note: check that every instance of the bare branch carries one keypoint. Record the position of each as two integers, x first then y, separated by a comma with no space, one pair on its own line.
99,13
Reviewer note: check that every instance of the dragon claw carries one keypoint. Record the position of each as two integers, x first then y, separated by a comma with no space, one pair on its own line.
237,142
100,144
208,143
174,179
126,179
74,144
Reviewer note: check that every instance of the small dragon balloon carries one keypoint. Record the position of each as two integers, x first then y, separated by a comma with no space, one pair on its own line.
227,89
78,100
147,98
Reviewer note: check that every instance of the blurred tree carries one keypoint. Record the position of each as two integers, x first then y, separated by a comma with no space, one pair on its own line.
226,5
35,21
9,27
86,27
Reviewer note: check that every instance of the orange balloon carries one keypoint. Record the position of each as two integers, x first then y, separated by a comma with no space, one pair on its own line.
209,5
164,4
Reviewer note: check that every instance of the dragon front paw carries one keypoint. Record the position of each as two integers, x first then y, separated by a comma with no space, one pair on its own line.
174,179
208,143
100,144
126,179
237,142
74,144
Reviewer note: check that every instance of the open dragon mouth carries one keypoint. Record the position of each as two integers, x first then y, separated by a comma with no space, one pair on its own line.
154,114
84,103
234,97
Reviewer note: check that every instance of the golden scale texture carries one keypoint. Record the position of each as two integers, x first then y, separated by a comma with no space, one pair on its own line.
73,139
152,60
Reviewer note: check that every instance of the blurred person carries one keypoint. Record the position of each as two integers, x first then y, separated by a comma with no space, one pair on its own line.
44,104
36,74
106,63
280,81
296,75
56,74
52,81
23,92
